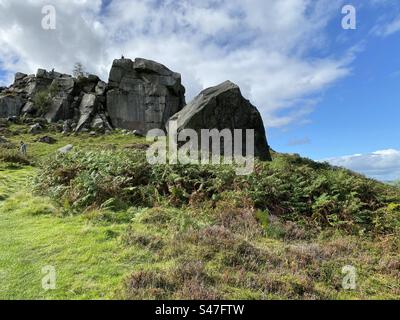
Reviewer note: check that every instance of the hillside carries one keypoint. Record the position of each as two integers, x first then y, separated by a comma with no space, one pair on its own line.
115,227
395,183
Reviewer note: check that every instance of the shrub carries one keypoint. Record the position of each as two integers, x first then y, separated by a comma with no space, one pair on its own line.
147,285
297,190
13,156
42,101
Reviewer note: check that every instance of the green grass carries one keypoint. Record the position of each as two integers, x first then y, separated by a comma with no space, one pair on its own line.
157,237
81,141
89,260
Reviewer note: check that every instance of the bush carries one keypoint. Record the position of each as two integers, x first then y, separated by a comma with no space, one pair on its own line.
314,195
13,156
42,100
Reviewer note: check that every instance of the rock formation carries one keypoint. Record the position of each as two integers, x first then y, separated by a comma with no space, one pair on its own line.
56,97
224,107
143,94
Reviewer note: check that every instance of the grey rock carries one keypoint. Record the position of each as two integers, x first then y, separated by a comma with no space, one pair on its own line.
13,119
47,140
86,109
10,106
100,89
20,76
98,123
41,73
143,94
224,107
61,106
137,133
35,129
29,108
67,149
66,127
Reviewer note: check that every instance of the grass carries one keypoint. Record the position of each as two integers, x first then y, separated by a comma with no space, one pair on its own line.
163,238
83,141
89,260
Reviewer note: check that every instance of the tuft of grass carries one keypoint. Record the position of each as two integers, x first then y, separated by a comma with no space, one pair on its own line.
13,157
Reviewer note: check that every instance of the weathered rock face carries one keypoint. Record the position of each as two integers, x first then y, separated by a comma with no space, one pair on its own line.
62,98
61,102
143,94
10,106
224,107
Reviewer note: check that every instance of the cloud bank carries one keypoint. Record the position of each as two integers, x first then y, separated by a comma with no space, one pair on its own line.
382,165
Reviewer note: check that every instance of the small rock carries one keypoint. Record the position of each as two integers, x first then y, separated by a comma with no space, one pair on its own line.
20,76
35,129
92,133
97,123
137,133
66,128
101,88
12,119
68,148
47,139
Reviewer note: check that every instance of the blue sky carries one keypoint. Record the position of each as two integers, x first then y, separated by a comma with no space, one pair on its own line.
324,92
359,114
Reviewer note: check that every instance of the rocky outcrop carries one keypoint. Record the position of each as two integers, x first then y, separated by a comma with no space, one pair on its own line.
224,107
57,97
143,94
10,105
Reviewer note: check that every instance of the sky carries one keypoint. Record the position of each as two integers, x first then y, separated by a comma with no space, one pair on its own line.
324,92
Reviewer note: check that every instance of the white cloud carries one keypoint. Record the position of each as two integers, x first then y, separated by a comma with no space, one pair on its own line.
387,29
262,45
382,165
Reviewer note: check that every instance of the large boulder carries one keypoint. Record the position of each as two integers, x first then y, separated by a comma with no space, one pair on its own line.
10,105
224,107
61,104
143,94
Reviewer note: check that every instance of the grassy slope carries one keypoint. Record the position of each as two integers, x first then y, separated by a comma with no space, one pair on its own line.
89,258
93,259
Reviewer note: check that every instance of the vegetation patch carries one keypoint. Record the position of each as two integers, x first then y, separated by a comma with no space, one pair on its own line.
116,227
